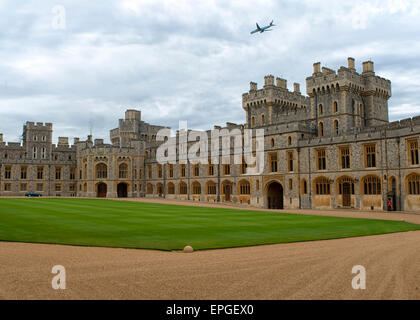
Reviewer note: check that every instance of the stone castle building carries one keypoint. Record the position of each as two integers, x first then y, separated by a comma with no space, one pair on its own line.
331,148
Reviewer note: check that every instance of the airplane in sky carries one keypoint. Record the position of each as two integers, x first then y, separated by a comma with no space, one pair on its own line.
261,30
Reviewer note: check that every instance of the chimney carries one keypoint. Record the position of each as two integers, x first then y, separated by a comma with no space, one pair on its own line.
296,87
1,137
281,83
368,67
269,80
317,67
252,86
350,62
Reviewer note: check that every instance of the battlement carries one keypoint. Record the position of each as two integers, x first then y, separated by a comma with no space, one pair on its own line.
347,78
38,125
277,93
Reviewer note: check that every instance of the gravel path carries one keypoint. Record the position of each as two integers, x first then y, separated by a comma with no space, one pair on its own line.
306,270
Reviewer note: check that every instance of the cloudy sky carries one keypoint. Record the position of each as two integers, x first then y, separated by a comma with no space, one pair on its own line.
80,64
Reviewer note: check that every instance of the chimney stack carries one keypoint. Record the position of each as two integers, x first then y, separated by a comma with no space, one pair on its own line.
317,67
281,83
350,62
368,67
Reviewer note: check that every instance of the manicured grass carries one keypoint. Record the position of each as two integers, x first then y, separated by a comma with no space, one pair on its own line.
110,223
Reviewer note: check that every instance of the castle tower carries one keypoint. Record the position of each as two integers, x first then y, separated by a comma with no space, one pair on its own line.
345,99
37,140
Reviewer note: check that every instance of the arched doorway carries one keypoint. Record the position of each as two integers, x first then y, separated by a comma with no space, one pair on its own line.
101,190
122,190
275,196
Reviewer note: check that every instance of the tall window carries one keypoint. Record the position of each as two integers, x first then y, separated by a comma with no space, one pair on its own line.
272,143
413,181
182,170
244,187
273,162
253,121
101,171
171,188
370,155
40,173
23,172
210,168
335,107
34,153
57,173
211,187
171,170
262,119
8,172
244,166
123,171
345,157
304,186
72,173
322,186
196,170
196,188
159,170
336,127
149,171
290,160
183,188
39,187
321,129
7,187
43,153
321,159
226,169
289,140
372,185
413,147
321,111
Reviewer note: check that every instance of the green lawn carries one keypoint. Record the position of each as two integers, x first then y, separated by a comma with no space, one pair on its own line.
110,223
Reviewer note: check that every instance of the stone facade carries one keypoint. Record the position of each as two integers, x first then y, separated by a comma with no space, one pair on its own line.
331,148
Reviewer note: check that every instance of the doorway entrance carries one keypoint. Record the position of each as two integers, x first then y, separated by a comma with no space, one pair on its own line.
122,190
275,196
101,190
346,194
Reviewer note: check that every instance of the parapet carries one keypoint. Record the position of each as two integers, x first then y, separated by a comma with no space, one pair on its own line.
269,80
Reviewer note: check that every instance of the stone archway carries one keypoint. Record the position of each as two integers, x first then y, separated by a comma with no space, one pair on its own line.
275,196
101,190
122,190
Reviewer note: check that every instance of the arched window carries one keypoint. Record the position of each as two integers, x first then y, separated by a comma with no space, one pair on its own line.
171,188
336,127
335,106
123,171
262,120
321,129
320,109
101,171
253,121
372,185
413,182
244,187
257,185
289,140
196,187
322,186
183,189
